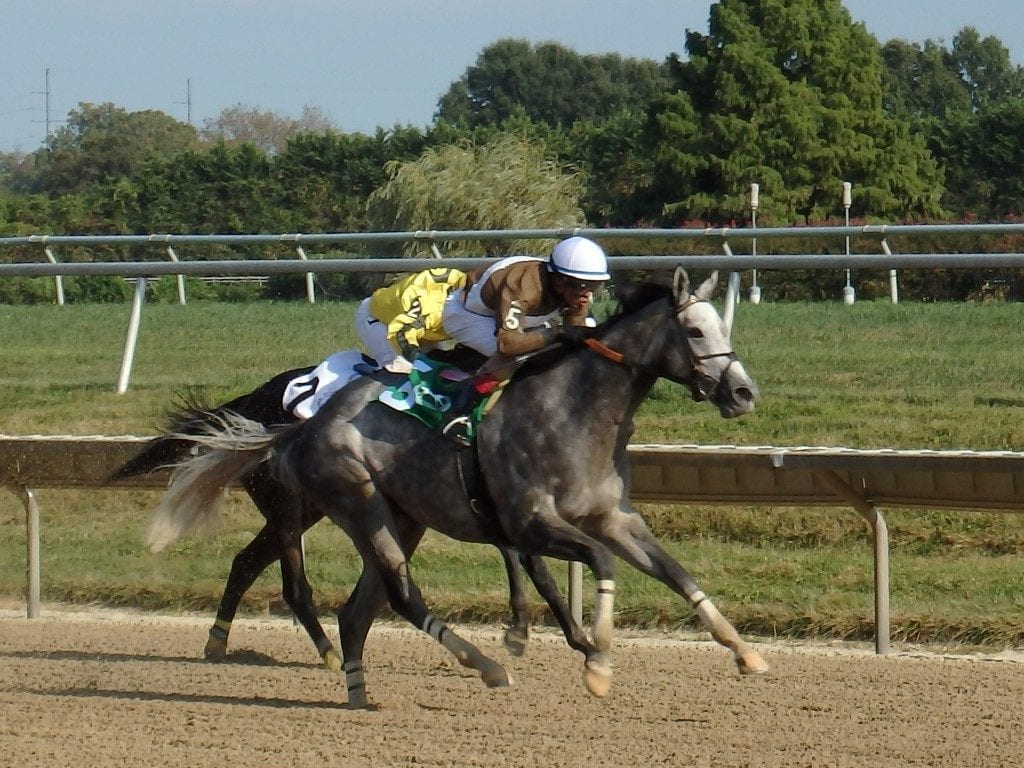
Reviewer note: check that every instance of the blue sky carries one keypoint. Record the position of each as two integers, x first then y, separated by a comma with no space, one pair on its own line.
363,64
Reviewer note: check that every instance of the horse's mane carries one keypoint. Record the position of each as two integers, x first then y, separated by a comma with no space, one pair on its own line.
630,298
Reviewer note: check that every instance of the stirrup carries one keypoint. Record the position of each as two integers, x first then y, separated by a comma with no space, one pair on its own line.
458,430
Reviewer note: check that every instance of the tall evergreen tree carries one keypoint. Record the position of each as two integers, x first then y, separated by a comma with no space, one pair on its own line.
549,83
786,93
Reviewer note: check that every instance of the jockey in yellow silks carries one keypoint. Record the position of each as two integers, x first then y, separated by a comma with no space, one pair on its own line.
399,319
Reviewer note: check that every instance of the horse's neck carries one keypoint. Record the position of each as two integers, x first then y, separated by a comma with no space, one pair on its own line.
601,393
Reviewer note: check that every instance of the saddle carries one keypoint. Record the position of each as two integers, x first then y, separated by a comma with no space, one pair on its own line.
435,391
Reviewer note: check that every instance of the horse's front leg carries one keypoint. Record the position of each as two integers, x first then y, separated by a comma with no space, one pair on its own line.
548,536
626,534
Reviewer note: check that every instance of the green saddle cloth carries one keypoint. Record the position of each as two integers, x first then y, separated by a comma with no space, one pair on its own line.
429,393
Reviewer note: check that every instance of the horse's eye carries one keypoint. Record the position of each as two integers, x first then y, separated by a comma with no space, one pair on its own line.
696,333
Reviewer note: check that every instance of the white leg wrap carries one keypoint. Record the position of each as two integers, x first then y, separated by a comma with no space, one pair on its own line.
604,607
708,613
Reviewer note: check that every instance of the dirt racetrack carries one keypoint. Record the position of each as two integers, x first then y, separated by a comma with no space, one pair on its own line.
102,689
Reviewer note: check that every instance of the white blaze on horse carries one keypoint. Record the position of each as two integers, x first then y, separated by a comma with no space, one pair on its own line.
554,466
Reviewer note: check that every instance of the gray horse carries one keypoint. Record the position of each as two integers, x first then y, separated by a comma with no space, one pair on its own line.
554,467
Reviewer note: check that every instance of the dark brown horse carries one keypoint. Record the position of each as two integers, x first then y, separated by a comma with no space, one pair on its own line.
286,518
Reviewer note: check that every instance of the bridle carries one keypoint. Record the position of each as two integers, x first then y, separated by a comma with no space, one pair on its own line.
703,385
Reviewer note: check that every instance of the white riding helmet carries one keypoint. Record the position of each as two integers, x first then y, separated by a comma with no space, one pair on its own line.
579,258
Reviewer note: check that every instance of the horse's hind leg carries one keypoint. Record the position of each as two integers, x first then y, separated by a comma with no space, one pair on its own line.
246,566
290,518
518,631
282,534
386,567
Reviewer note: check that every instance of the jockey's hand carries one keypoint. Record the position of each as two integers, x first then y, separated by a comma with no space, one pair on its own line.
572,334
398,365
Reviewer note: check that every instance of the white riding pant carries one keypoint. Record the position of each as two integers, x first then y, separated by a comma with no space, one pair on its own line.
374,335
478,332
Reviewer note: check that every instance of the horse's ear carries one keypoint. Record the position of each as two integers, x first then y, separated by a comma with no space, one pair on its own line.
707,288
680,285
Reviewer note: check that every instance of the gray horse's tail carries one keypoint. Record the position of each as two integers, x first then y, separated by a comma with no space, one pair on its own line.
234,446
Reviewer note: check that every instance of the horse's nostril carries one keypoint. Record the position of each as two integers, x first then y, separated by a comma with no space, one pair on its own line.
744,393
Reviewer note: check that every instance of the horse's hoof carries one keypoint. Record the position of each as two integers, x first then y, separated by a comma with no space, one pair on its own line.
598,678
215,650
496,677
364,706
332,660
515,641
751,663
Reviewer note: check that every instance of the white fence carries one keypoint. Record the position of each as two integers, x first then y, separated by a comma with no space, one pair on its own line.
718,237
864,480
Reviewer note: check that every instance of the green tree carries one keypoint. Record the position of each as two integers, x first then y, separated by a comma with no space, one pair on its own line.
549,83
104,142
325,179
985,155
985,68
508,183
922,81
786,93
222,190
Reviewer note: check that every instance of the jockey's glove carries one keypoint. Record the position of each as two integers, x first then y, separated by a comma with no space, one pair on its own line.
572,334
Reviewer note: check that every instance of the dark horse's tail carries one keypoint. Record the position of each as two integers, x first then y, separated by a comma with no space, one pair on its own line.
190,416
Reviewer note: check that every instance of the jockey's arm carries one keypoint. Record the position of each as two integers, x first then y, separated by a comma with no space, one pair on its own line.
513,339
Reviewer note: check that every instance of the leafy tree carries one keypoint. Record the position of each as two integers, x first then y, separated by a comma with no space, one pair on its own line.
985,68
268,131
549,83
922,81
100,143
932,80
508,183
617,167
985,154
786,93
223,190
325,179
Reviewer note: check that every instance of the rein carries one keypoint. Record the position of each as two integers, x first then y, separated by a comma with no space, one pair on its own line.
701,379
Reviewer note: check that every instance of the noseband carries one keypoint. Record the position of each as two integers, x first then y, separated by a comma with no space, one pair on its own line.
703,385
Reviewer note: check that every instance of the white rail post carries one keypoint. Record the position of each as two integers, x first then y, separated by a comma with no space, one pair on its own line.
133,335
310,297
58,281
849,295
32,568
732,294
894,293
180,278
880,539
755,289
